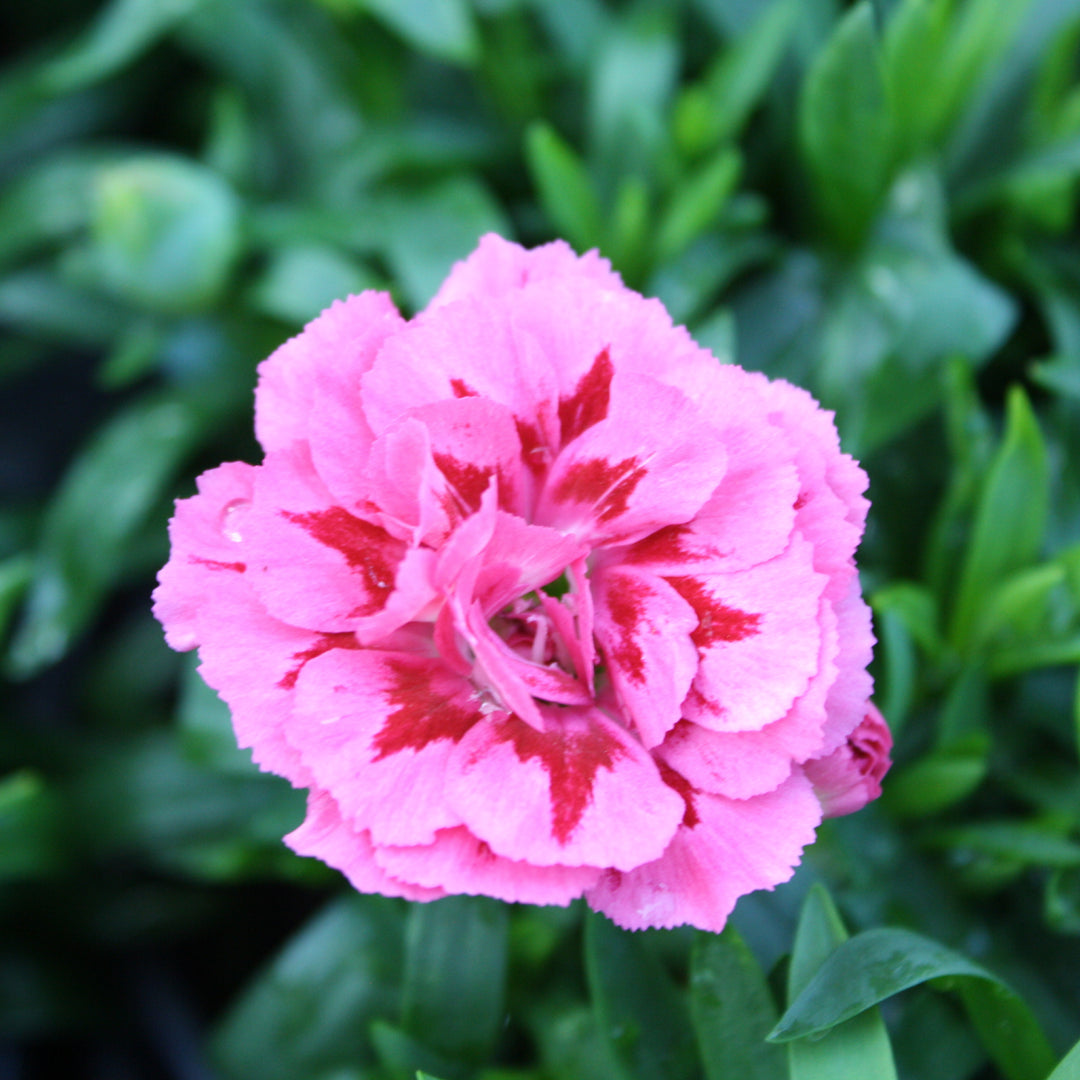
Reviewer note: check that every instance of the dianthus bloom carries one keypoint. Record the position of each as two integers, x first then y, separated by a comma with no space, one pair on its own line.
535,597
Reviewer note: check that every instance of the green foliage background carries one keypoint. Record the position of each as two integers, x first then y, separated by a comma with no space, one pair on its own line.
876,201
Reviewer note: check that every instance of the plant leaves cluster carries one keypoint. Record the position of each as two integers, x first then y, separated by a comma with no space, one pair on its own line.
877,200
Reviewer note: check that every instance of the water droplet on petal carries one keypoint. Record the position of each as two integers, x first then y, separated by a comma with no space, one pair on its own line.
232,518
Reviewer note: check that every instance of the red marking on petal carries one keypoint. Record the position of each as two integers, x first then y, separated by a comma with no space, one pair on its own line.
588,404
428,709
325,643
662,546
801,501
597,481
462,389
533,451
716,621
678,783
469,480
216,564
366,547
626,605
571,759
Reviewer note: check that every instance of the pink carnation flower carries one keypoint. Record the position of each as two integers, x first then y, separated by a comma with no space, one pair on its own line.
537,598
850,777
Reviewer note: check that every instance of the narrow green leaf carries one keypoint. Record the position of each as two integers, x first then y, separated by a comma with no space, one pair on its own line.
718,108
104,499
564,186
308,1011
30,820
442,28
845,127
302,281
939,779
16,573
1069,1066
400,1054
696,203
122,31
455,973
632,79
424,232
639,1011
915,42
858,1048
1027,843
877,964
733,1010
1010,519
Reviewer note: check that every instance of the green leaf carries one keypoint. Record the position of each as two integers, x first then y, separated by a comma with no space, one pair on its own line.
400,1054
425,233
166,232
638,1010
939,779
915,43
633,76
718,108
50,202
308,1012
1026,843
16,573
1018,606
859,1048
1069,1066
300,282
121,32
902,308
877,964
455,973
696,203
564,186
732,1010
845,128
30,819
1010,520
105,498
442,28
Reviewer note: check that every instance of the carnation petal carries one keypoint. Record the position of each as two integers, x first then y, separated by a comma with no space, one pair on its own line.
758,637
580,793
730,847
652,461
323,364
326,835
500,266
377,729
460,863
315,564
644,626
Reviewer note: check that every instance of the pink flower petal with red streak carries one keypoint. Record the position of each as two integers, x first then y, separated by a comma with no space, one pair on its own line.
758,640
460,863
325,835
316,565
740,764
644,626
580,793
731,847
607,488
377,729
